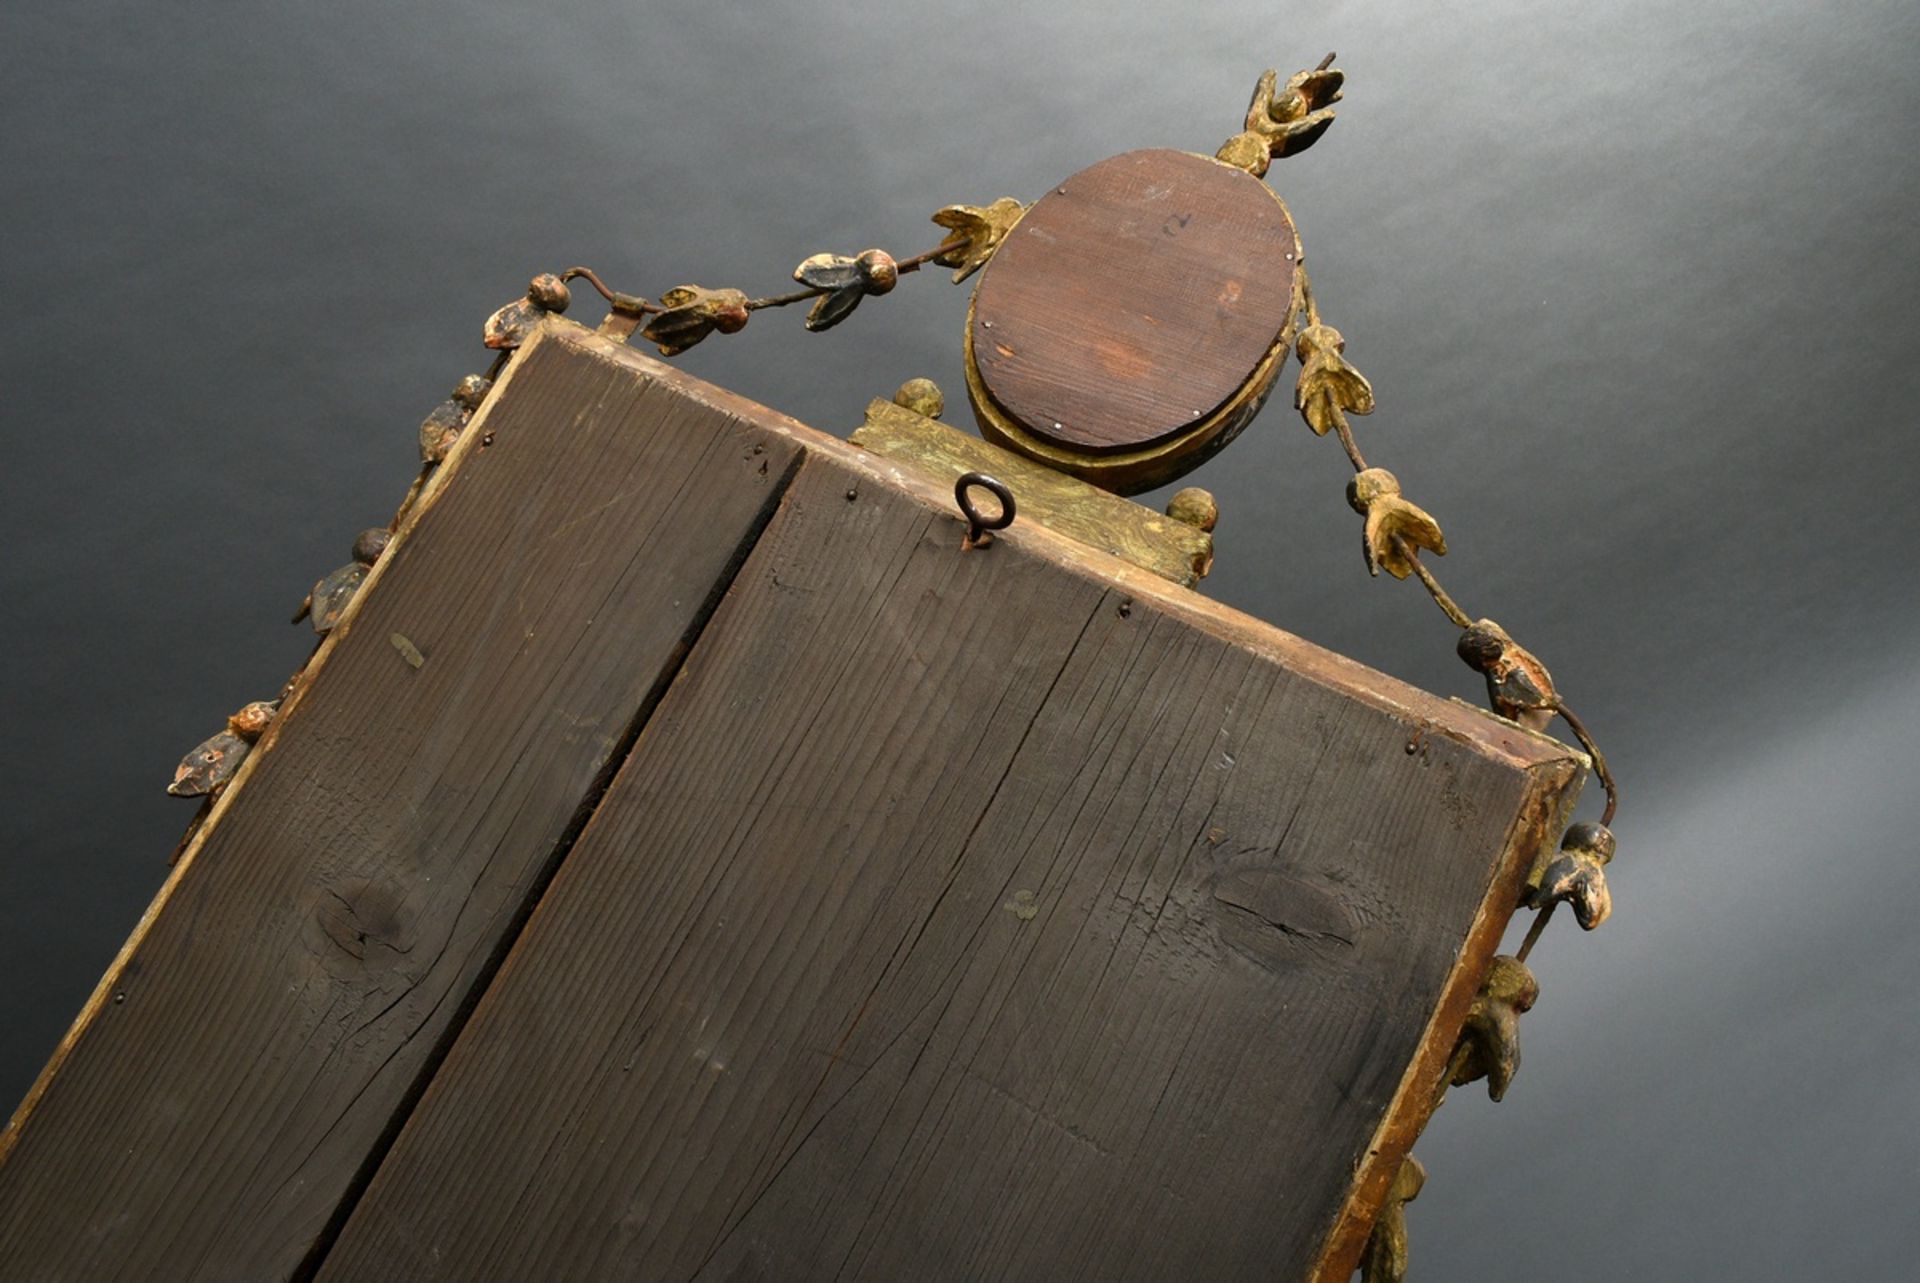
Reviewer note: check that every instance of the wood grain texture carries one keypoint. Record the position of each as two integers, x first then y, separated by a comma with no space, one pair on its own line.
1545,815
1148,539
301,973
1134,300
966,915
1452,719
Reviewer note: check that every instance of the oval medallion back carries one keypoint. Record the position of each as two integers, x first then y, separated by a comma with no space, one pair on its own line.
1137,304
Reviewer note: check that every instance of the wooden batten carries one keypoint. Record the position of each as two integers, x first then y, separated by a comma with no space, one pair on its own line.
1102,520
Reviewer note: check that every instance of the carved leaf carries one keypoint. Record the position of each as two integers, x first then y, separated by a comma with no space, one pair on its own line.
975,233
847,281
1285,121
1490,1041
1296,136
1260,106
440,429
512,325
207,769
1385,1257
692,313
332,595
1327,383
1390,518
831,309
828,272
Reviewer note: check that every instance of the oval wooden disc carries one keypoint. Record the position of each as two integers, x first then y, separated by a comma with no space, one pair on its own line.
1134,300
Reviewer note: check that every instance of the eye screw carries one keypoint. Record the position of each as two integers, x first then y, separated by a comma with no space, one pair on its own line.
980,528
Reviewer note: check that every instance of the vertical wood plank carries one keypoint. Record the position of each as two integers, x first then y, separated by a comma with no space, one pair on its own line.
963,916
223,1100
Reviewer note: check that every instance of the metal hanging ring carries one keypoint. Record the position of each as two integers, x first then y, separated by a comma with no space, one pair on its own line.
978,526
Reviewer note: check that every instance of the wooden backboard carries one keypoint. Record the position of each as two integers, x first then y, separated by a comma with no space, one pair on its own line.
751,884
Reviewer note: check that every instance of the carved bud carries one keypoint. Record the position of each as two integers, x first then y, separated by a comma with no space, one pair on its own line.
1578,874
1519,686
878,272
470,391
252,719
1194,507
922,396
370,543
1307,92
549,293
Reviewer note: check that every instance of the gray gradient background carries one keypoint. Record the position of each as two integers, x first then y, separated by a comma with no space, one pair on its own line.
1634,282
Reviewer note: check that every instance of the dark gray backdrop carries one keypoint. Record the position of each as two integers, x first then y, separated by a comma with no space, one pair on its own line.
1633,281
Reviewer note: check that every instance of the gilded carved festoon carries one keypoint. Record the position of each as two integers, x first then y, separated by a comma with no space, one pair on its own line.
1125,326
